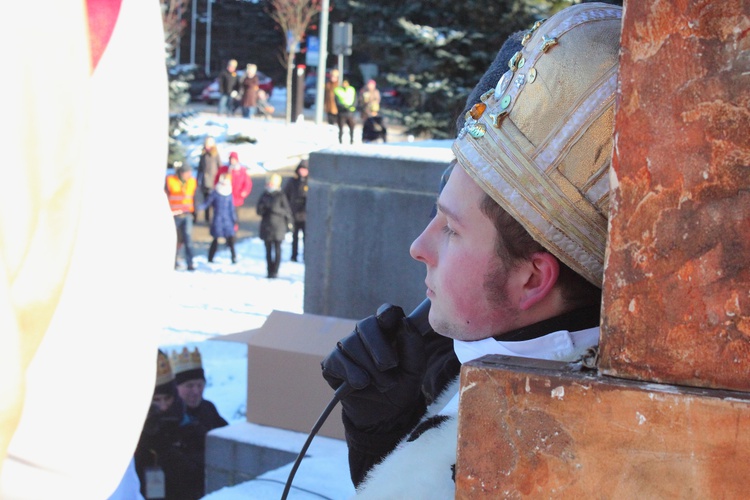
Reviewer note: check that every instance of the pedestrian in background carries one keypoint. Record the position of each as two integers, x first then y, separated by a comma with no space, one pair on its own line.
276,219
329,97
180,188
242,184
296,192
250,91
201,417
346,102
229,88
224,223
369,100
208,168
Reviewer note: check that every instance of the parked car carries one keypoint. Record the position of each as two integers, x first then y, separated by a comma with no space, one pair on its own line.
210,94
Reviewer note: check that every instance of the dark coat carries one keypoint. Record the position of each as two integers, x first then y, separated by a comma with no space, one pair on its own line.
250,92
208,167
207,415
374,129
228,82
168,441
276,215
225,215
296,192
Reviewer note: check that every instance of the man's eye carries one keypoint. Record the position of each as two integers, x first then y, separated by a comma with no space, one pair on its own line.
447,230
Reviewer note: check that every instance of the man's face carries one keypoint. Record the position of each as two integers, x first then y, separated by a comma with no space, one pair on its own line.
472,294
162,402
191,392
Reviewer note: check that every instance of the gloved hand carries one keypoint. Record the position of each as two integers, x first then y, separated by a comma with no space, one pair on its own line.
383,362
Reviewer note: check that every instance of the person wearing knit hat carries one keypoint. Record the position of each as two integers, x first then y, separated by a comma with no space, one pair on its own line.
191,382
242,184
295,190
224,223
514,255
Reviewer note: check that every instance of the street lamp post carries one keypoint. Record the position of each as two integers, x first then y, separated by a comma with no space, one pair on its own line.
193,16
208,39
322,58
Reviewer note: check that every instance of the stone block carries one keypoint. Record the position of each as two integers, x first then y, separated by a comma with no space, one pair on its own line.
239,453
365,207
544,429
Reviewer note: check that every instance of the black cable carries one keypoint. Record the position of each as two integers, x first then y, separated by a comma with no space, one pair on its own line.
388,318
270,480
340,393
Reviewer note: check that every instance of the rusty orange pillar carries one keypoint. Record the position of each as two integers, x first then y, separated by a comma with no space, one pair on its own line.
677,279
667,413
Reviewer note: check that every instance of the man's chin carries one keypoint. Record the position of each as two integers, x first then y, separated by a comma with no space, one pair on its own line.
438,322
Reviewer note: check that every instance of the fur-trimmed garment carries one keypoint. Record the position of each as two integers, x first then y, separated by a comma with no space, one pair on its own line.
422,465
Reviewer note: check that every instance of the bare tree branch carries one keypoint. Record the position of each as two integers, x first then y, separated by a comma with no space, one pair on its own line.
293,17
172,15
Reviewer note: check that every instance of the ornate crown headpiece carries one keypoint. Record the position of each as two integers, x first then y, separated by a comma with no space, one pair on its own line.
187,365
164,373
540,142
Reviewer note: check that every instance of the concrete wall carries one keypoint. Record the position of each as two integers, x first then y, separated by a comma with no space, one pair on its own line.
365,207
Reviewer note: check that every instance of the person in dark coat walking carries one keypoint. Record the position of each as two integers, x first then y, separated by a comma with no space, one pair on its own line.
276,218
224,223
296,192
229,88
250,91
208,167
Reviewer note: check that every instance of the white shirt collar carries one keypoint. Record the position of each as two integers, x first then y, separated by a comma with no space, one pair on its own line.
561,345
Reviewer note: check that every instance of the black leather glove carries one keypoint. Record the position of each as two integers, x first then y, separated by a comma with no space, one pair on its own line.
382,361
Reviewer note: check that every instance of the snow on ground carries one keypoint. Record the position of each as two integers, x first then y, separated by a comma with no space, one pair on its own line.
220,298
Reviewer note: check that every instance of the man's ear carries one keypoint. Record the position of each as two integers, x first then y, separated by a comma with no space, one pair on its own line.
543,270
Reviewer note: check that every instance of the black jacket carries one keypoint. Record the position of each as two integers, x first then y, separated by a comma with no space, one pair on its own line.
296,193
228,82
276,215
175,441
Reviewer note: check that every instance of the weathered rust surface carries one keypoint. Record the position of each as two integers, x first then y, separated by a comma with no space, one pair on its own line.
531,429
677,278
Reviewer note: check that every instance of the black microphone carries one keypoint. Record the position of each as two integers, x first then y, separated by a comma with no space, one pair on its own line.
388,317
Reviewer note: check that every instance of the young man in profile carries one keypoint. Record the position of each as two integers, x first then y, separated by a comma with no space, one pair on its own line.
514,254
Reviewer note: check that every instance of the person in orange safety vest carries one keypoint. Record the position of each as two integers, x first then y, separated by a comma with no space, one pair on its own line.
180,188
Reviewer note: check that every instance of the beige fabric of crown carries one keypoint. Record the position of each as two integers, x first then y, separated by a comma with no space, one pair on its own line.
542,147
186,360
164,373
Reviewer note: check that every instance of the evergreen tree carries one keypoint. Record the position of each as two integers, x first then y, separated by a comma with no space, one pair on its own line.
435,51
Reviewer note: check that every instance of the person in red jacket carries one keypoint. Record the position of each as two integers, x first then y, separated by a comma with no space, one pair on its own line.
242,184
180,188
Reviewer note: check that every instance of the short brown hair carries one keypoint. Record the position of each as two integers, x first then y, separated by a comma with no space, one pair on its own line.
514,244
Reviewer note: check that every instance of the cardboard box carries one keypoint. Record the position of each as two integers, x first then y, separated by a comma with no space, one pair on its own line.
285,387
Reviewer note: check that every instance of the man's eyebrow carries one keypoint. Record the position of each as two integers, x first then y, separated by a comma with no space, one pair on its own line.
448,212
